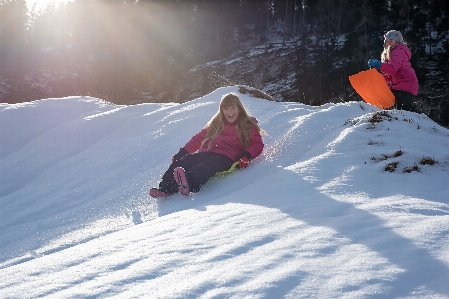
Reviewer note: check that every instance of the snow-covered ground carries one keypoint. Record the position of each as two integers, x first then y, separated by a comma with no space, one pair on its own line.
338,205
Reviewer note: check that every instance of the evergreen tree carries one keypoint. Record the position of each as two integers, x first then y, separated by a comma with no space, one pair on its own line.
13,36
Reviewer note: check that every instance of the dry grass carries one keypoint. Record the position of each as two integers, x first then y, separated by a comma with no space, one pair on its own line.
427,161
411,169
391,167
379,116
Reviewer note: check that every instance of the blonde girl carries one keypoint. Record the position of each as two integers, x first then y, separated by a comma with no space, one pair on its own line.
397,70
230,135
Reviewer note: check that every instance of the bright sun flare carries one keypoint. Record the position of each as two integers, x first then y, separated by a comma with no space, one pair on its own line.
42,4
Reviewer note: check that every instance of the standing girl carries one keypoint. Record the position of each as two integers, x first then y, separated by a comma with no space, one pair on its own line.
230,135
397,70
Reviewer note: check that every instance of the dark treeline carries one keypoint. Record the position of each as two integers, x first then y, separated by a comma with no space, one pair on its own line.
113,49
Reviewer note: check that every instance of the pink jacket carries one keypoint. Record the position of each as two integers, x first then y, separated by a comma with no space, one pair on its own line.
227,143
398,72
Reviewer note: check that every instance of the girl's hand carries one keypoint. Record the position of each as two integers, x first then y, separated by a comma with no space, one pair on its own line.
243,162
243,159
182,152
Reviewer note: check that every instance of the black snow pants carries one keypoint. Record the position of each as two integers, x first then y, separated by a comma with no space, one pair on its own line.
404,100
198,167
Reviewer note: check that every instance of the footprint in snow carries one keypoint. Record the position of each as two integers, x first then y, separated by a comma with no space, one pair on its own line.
137,218
34,254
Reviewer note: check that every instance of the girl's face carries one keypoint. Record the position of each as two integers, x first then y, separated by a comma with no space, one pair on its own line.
390,42
231,113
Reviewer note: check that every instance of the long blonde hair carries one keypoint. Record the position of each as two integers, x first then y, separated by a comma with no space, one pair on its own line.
386,54
245,121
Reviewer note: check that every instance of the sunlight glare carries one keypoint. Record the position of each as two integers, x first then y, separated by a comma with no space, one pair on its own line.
40,5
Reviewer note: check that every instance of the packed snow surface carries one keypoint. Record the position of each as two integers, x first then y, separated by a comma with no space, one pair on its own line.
346,201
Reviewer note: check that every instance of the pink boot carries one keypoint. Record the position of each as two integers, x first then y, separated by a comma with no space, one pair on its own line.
156,193
180,178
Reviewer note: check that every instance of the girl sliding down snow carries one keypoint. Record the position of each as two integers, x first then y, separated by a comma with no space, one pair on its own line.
230,135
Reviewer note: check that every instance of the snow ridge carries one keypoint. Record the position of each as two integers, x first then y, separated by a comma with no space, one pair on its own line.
344,202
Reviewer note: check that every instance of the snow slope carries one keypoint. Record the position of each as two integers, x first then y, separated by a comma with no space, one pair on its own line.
338,205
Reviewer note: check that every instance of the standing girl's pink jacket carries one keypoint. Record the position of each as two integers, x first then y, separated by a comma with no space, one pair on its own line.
398,71
227,143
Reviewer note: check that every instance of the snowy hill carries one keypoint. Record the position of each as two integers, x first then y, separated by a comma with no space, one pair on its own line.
345,202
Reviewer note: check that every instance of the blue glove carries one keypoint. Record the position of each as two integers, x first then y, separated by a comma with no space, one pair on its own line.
374,63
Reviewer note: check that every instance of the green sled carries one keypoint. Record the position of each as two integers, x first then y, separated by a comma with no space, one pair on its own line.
232,169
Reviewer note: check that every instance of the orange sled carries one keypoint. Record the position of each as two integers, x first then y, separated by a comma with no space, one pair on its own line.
371,86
